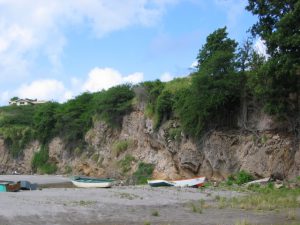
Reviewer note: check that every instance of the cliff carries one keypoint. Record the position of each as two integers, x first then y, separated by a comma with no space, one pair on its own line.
262,150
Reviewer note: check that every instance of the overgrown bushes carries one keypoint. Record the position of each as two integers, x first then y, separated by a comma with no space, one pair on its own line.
71,120
125,163
40,162
143,173
239,178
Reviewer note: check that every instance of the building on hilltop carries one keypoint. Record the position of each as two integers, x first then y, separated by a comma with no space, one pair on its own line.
25,101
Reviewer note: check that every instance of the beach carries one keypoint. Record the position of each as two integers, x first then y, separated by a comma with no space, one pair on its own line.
122,205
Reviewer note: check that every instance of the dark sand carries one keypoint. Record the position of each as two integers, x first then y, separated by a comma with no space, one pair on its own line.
123,205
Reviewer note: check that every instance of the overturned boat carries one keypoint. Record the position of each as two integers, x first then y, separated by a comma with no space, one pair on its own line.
192,182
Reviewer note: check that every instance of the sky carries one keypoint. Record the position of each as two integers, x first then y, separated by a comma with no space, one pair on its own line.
58,49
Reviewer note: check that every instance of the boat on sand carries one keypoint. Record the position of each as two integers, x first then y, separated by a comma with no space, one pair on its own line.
192,182
9,186
90,182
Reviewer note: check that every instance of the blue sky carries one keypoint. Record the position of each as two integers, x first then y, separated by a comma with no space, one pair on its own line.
55,50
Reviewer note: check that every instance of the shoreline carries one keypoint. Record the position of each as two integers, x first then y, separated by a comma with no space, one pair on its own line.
122,205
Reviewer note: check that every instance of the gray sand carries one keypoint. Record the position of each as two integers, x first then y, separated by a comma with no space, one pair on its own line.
120,205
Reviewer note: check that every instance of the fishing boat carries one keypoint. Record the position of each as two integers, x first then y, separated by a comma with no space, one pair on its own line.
9,186
192,182
90,182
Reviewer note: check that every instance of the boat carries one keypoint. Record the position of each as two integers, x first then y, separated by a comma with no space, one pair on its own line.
192,182
160,183
90,182
9,186
26,185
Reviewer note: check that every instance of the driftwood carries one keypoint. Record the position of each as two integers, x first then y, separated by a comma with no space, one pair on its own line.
260,181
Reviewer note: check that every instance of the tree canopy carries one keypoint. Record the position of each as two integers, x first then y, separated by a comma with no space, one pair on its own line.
277,83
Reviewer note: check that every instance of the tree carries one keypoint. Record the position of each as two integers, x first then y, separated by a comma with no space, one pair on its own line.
217,56
114,103
45,121
214,90
278,81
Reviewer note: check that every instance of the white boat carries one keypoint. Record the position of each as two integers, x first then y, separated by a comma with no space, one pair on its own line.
88,182
192,182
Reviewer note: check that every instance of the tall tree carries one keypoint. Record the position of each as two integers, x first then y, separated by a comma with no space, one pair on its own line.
278,81
216,57
214,88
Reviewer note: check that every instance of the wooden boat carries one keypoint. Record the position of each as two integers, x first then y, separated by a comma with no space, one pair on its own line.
193,182
90,182
9,186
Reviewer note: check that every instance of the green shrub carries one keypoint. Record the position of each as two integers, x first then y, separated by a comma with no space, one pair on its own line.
174,133
239,178
40,158
121,146
125,164
16,138
47,168
143,173
113,104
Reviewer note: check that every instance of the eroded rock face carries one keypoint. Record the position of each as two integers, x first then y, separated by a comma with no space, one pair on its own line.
4,157
219,154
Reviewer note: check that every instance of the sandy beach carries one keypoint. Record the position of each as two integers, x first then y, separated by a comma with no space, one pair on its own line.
121,205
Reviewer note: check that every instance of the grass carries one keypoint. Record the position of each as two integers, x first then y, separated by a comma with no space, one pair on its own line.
129,196
242,222
84,203
155,213
291,214
197,207
263,198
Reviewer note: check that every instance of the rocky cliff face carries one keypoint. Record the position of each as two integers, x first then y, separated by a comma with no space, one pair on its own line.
216,155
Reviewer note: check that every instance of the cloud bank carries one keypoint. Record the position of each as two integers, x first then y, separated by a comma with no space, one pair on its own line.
33,28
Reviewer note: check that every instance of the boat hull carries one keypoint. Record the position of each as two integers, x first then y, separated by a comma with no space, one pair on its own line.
193,182
160,183
9,186
89,182
92,185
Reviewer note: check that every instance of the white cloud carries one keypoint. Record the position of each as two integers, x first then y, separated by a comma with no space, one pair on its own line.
104,78
51,89
44,90
165,77
261,48
134,78
194,65
31,28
